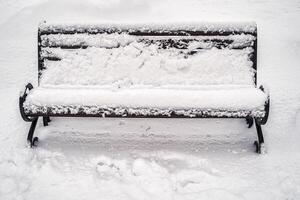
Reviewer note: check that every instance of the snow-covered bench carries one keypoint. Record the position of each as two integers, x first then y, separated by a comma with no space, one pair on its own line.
164,71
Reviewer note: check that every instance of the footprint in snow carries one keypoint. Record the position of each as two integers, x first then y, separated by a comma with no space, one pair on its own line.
107,170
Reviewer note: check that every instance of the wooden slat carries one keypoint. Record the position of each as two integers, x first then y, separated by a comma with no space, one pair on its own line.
179,44
145,33
68,112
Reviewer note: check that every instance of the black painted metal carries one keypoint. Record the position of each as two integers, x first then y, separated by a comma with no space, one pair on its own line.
45,121
30,138
249,121
259,132
22,99
142,32
40,59
264,120
254,59
260,137
261,121
68,47
52,58
126,116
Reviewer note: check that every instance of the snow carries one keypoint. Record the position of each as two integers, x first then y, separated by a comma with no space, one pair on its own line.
234,102
84,158
124,60
100,40
114,40
249,27
247,100
141,64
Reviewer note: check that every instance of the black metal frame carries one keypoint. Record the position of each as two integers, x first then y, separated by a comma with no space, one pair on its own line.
33,118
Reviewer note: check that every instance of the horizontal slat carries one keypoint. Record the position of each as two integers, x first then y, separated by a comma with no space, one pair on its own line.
68,47
238,101
205,28
150,33
84,111
52,58
219,45
117,40
114,115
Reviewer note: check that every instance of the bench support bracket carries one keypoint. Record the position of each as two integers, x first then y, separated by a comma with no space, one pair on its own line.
249,121
46,120
259,144
32,140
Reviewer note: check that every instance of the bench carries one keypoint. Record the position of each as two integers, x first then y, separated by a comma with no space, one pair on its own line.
206,70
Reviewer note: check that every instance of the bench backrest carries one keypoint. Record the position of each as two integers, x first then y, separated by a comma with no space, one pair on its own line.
156,55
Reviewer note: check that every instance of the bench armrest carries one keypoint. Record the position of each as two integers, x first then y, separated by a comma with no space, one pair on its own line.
267,107
22,99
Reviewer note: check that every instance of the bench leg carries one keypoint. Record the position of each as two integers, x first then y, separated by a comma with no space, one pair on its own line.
249,121
32,141
46,120
259,144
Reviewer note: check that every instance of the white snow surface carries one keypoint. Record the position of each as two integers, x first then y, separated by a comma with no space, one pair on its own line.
239,99
150,26
141,64
122,39
151,158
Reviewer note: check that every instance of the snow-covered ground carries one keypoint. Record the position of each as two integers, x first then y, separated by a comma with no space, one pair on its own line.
158,158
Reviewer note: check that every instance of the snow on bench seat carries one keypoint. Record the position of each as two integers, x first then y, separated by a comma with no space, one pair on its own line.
216,101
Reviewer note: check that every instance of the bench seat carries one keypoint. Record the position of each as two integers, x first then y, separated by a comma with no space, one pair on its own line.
227,101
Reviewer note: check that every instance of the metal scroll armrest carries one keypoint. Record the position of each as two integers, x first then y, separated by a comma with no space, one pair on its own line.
263,120
22,99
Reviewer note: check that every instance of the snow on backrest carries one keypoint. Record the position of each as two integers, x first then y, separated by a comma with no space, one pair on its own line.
123,59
